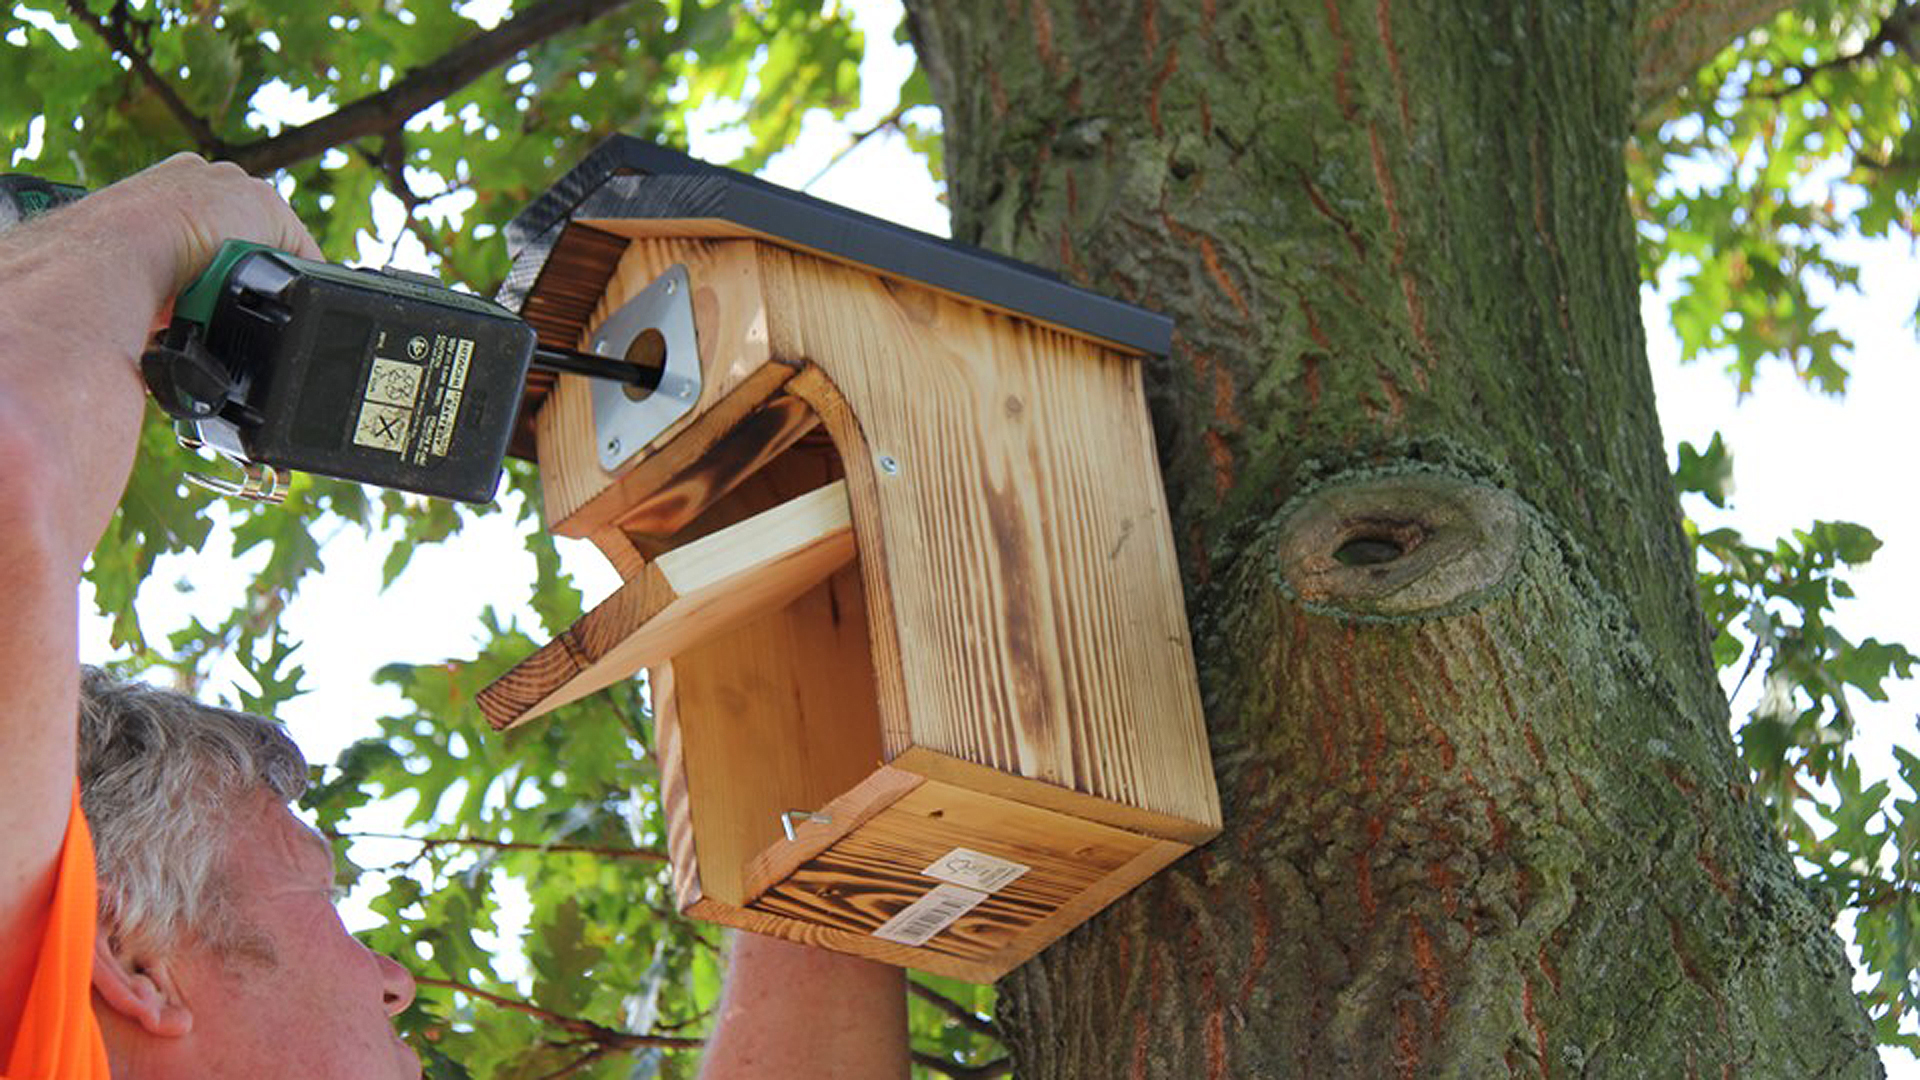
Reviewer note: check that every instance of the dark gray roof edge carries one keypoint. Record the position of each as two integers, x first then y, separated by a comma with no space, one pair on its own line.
666,184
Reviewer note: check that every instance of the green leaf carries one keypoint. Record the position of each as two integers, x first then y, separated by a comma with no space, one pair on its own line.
1709,471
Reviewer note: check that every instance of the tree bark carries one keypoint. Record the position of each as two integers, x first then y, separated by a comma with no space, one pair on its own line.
1484,816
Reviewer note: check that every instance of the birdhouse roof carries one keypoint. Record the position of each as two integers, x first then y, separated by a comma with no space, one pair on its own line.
560,266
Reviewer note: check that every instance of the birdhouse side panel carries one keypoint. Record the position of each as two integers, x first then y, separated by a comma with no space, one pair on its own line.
1023,544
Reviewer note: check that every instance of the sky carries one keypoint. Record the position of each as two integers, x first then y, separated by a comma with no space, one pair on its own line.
1798,457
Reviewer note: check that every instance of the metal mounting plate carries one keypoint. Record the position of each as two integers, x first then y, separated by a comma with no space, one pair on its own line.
623,425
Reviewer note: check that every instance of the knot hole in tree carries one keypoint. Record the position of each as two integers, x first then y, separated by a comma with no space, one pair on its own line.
1400,545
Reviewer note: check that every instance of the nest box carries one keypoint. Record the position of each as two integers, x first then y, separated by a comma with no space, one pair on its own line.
895,556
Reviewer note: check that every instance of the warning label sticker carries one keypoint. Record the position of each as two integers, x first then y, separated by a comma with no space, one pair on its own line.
382,427
393,382
411,407
938,909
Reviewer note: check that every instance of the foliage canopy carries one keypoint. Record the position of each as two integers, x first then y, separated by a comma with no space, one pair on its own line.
1798,134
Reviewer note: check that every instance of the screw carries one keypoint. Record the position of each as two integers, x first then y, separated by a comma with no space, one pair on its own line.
613,445
670,286
810,816
889,466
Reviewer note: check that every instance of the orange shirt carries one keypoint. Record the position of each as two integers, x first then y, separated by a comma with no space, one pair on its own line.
58,1037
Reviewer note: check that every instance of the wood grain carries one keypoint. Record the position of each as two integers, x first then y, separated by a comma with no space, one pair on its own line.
869,876
989,781
708,471
775,715
675,800
628,560
730,324
721,229
889,675
571,281
1021,541
881,789
684,597
856,944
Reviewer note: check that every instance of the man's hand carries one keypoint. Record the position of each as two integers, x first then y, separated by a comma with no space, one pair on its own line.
194,206
80,288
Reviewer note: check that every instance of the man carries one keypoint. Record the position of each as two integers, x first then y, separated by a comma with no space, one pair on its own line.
215,952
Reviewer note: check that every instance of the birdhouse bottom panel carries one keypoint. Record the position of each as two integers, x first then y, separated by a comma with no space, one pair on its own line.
954,873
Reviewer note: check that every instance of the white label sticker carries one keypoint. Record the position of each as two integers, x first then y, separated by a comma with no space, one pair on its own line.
964,866
382,427
462,356
449,411
393,382
927,916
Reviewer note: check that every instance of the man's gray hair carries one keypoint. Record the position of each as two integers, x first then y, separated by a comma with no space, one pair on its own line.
161,776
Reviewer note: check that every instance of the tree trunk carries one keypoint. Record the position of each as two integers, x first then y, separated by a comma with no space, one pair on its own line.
1484,816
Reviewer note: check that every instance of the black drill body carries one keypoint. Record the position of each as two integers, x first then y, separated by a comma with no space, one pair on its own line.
385,377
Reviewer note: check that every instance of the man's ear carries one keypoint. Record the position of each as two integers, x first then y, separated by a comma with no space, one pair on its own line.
140,988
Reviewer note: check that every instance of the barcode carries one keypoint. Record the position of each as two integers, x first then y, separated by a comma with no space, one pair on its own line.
919,921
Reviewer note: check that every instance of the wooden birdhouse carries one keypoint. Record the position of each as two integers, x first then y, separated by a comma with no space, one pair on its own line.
896,559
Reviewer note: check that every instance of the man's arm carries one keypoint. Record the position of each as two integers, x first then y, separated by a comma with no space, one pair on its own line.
79,291
791,1012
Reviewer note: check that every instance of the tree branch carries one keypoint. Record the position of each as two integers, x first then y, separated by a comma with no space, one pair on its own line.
996,1067
960,1014
428,843
421,87
602,1040
592,1055
1897,29
611,1038
113,33
1673,38
891,120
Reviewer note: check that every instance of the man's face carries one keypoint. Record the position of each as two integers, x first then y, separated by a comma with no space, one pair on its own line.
293,995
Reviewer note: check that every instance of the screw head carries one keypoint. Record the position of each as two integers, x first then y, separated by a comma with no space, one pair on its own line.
888,465
613,445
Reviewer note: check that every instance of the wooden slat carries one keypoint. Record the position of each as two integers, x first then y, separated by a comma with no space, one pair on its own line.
811,462
682,598
988,781
1021,539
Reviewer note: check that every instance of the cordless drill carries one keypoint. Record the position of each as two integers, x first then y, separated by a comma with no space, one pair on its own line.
384,376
